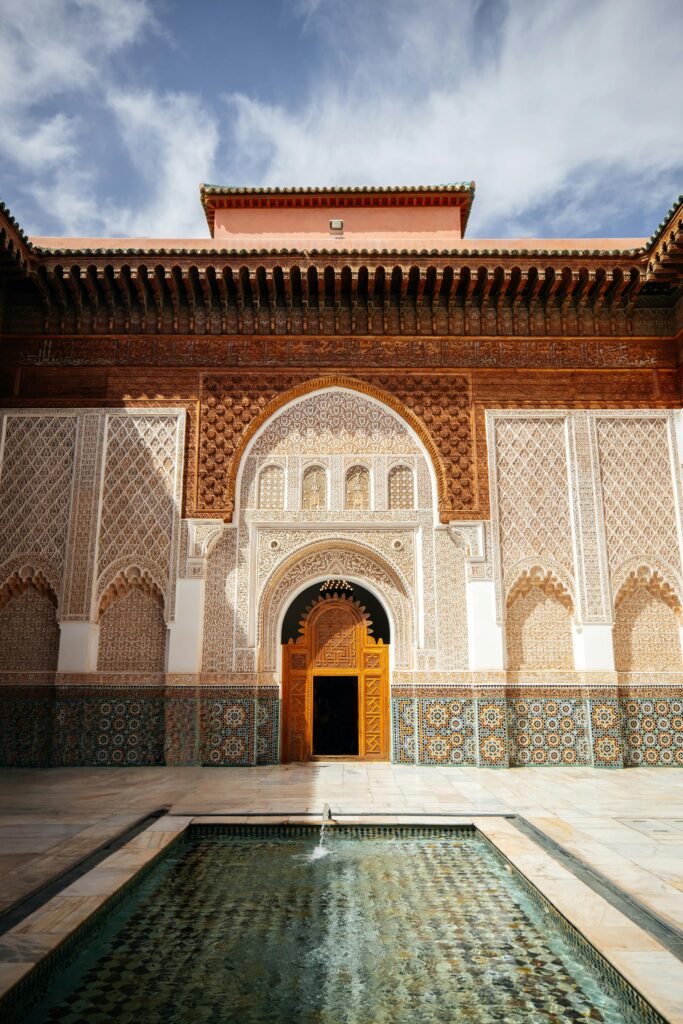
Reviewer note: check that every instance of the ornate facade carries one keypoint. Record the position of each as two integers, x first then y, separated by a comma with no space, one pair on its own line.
480,436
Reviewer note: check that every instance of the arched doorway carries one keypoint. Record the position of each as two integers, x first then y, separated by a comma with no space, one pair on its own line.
335,676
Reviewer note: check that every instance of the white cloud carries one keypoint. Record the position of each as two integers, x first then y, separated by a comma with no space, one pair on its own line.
566,91
63,49
171,140
560,111
48,49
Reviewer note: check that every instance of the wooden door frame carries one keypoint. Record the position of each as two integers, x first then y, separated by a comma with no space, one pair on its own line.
301,662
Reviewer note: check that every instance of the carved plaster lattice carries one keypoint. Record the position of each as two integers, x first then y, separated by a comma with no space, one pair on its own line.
140,507
532,492
314,488
451,638
334,561
80,562
333,423
592,575
219,604
638,493
271,487
357,486
35,490
401,487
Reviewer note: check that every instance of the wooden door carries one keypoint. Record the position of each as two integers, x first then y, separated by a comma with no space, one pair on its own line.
335,639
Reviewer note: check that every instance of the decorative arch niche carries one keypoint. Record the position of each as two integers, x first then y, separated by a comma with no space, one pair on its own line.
132,627
413,426
647,621
29,631
538,622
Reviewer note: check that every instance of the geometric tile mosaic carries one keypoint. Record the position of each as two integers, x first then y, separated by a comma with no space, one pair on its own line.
403,729
446,731
492,732
547,731
606,735
267,730
123,731
47,725
227,731
653,731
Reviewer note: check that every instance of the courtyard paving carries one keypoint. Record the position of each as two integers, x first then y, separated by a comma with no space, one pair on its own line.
628,825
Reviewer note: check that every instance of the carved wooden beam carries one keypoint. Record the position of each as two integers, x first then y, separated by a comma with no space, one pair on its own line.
39,279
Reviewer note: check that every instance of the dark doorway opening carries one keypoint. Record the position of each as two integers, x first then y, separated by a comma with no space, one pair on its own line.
335,715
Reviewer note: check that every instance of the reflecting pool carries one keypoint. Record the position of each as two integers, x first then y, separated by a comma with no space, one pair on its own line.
397,925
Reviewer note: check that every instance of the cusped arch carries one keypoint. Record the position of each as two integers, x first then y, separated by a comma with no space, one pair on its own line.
538,622
125,581
413,423
123,568
29,630
545,580
20,580
547,573
647,571
322,560
647,623
33,565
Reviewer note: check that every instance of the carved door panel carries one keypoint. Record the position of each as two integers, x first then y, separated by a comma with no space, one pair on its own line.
375,702
297,738
334,640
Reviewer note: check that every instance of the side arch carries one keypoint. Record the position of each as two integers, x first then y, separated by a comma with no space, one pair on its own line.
29,631
538,622
132,635
333,559
647,624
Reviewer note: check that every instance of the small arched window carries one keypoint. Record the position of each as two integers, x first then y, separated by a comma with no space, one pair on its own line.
271,487
358,487
314,490
401,487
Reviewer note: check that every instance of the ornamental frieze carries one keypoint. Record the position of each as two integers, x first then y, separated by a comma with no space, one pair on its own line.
646,350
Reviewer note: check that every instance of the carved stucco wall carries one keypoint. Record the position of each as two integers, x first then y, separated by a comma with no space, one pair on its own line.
140,499
29,633
646,634
538,632
587,495
132,634
640,497
85,494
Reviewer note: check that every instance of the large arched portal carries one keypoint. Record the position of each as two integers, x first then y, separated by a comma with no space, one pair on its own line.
335,675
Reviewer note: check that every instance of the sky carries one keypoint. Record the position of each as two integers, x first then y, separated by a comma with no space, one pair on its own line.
566,113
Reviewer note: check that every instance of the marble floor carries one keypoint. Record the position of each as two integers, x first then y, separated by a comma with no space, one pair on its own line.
628,825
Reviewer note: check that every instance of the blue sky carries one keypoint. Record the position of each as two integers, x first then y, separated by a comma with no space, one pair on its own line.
567,113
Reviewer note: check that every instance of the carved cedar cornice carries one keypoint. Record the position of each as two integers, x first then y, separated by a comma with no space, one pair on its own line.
493,293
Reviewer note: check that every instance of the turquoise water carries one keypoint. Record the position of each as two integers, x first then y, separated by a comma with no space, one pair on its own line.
388,927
